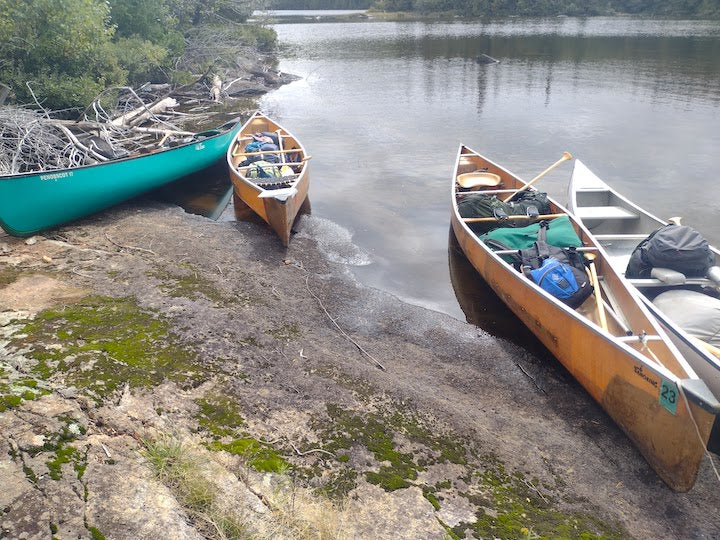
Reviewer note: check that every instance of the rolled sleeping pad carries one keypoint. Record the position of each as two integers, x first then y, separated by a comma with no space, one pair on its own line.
696,313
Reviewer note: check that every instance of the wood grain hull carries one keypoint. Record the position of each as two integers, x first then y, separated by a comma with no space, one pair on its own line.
618,374
586,189
280,214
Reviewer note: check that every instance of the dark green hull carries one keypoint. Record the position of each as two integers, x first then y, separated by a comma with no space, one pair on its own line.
33,202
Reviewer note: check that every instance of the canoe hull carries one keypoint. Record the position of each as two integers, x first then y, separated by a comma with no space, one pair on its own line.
613,372
585,189
279,213
31,203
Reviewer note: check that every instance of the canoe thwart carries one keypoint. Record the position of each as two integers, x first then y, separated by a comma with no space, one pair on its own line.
513,251
461,194
243,153
605,212
490,219
635,338
290,164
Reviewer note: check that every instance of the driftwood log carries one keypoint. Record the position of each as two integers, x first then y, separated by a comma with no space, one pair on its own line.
141,114
216,88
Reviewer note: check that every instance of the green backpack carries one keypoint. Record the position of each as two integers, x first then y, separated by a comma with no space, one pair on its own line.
560,233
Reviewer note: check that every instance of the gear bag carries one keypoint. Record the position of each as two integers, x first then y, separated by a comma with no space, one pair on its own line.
676,247
560,232
559,271
475,204
566,283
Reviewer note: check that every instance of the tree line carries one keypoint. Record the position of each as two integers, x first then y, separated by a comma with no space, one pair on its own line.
480,8
65,52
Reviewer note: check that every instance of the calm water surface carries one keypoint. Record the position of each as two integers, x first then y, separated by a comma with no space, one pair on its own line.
383,106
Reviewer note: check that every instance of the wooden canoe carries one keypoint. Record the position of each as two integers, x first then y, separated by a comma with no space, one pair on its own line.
276,200
619,225
33,202
630,368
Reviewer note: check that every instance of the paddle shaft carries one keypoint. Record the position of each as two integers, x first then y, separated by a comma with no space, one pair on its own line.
565,157
712,349
597,291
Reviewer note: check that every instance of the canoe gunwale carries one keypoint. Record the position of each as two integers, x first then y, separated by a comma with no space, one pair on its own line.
711,361
231,127
279,214
94,192
619,378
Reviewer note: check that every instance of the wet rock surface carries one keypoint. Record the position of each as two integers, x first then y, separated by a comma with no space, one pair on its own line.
143,338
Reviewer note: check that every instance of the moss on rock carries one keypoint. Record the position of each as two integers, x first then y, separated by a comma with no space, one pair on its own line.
260,456
8,275
377,431
101,343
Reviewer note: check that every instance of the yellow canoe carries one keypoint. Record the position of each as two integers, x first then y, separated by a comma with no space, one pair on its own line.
626,363
277,200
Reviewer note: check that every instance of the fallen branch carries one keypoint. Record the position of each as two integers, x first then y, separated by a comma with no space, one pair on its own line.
307,285
530,377
143,113
80,145
299,453
129,247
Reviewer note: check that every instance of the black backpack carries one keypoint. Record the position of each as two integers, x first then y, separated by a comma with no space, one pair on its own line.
477,204
676,247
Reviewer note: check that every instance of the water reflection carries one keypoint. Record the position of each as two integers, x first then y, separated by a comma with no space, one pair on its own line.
483,308
383,107
205,193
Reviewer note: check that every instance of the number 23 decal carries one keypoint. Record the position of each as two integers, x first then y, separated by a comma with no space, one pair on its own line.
668,395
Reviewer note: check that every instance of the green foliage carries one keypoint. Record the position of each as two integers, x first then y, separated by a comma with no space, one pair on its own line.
62,46
67,51
148,19
684,8
194,12
144,60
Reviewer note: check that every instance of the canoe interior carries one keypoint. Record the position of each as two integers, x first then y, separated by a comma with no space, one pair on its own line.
619,237
278,212
605,212
625,374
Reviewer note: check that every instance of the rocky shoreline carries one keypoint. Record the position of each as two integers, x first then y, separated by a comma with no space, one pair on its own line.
164,373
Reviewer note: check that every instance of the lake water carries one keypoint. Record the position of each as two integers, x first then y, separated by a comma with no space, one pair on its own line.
383,106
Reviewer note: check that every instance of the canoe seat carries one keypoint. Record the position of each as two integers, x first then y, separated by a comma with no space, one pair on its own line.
605,212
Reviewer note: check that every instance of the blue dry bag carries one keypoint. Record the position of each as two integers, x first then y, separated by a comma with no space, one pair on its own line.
559,280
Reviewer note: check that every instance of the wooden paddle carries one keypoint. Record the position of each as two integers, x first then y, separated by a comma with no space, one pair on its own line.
598,293
566,156
712,349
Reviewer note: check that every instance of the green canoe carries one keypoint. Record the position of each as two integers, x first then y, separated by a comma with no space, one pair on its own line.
32,202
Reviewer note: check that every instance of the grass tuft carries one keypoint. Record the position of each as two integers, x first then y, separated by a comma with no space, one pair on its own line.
293,512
